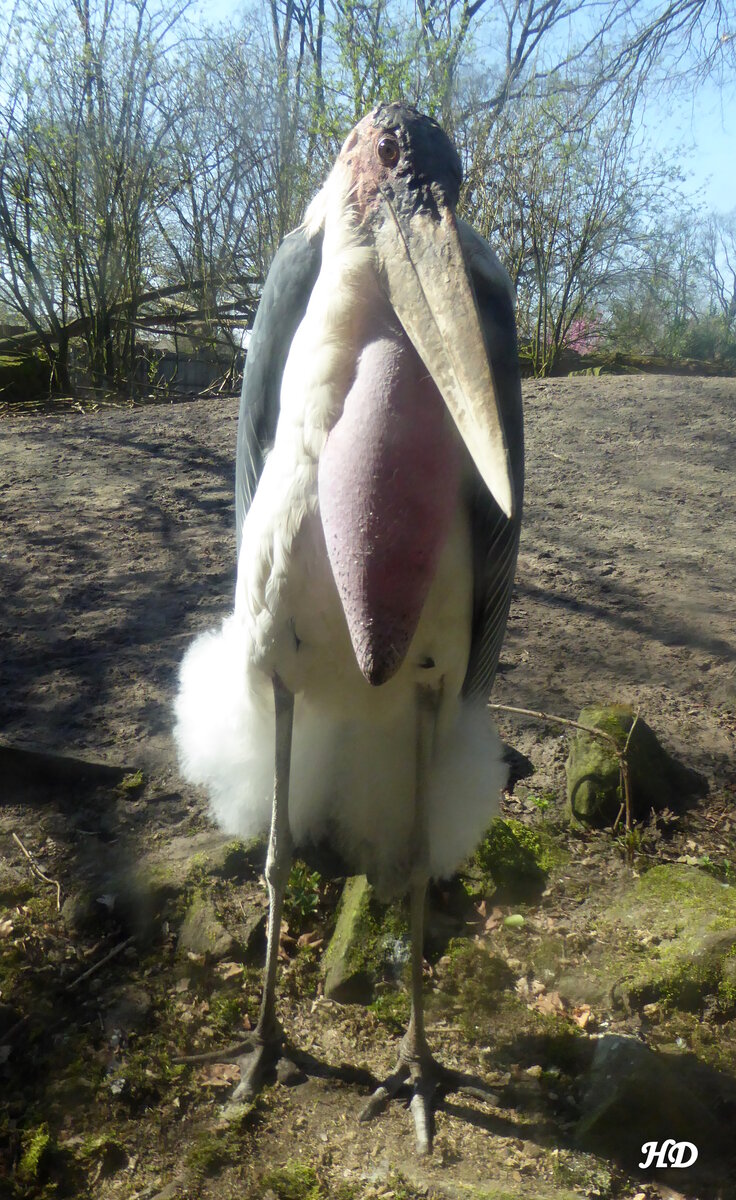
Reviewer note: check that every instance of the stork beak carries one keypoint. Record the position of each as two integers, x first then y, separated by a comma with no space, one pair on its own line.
423,268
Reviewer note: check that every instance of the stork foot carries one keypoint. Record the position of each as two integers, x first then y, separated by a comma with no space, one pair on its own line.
425,1076
428,1081
267,1062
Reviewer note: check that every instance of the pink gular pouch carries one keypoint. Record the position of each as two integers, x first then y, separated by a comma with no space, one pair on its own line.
389,480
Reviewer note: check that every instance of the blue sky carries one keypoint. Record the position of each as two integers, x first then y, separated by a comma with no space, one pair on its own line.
704,128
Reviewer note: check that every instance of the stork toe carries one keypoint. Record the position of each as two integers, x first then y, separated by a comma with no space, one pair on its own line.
266,1063
424,1075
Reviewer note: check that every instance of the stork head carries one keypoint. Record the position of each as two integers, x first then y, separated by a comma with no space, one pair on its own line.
397,152
404,182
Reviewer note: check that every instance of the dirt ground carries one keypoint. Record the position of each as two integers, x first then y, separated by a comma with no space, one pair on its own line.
116,548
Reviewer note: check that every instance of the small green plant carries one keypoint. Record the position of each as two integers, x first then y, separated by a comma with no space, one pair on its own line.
132,782
542,802
302,894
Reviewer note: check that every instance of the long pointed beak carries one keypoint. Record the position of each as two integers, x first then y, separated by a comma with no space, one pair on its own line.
424,270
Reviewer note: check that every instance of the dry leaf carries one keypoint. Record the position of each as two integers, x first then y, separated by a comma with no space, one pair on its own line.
582,1015
219,1075
6,927
312,938
550,1002
229,970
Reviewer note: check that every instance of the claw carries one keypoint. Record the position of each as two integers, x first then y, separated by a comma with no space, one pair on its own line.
255,1068
265,1063
376,1103
425,1077
421,1110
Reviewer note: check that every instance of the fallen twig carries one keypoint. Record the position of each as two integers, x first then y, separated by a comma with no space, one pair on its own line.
625,778
39,873
100,963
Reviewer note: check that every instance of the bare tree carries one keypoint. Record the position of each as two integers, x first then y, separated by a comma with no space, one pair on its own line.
567,211
720,253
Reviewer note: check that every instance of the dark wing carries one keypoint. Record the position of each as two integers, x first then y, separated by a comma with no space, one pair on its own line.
495,538
283,303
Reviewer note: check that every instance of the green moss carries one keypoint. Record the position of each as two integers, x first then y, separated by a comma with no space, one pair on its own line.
687,916
392,1008
722,868
211,1151
36,1147
132,782
295,1181
685,890
227,1011
512,857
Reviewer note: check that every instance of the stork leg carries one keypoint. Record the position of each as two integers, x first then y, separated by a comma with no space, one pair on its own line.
415,1059
268,1034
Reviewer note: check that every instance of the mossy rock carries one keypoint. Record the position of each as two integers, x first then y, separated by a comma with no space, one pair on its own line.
23,377
369,944
658,781
669,936
691,918
635,1095
511,858
173,868
203,933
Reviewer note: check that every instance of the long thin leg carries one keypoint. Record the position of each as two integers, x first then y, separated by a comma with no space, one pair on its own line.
415,1051
415,1060
268,1035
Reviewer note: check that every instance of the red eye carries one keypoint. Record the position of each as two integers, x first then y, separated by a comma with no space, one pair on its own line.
389,151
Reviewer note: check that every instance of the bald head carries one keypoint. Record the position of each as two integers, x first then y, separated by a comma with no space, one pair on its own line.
404,156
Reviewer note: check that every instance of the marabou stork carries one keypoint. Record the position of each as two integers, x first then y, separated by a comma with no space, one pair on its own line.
378,492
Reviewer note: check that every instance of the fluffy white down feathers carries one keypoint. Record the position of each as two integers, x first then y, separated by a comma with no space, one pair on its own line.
351,781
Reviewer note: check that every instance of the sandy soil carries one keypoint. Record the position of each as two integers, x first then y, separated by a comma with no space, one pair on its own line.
117,546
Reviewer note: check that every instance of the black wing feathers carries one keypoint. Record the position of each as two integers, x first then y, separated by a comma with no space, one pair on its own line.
495,538
286,293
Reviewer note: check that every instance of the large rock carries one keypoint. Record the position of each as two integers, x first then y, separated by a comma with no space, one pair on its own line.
349,976
667,936
634,1095
203,933
594,793
170,868
365,947
14,887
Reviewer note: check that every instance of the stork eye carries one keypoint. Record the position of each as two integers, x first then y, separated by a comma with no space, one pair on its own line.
389,151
